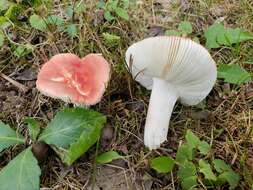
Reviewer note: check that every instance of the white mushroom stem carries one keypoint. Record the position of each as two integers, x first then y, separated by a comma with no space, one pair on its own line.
162,101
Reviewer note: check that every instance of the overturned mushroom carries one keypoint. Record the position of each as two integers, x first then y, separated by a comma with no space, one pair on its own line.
74,80
174,68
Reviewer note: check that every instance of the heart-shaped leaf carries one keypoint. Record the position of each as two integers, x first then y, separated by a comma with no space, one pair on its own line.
72,132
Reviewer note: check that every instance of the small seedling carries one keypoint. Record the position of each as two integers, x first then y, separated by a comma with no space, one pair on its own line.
71,133
193,166
114,8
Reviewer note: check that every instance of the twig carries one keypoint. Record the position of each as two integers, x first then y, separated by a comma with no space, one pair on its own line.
15,83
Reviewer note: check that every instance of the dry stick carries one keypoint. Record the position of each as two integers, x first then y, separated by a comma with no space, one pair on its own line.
15,83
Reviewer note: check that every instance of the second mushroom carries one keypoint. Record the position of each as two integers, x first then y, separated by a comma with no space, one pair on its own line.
174,68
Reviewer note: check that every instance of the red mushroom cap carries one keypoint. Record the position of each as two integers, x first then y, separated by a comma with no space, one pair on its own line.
79,81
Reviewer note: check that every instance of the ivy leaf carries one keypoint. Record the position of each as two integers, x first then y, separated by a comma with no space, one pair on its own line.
162,164
205,168
232,178
108,157
185,27
204,147
184,153
233,74
72,30
33,127
192,139
122,13
9,137
220,166
37,22
22,173
72,132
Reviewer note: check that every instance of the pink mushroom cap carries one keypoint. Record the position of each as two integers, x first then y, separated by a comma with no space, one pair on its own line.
74,80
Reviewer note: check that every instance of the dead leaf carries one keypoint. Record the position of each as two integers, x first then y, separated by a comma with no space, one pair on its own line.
156,31
26,75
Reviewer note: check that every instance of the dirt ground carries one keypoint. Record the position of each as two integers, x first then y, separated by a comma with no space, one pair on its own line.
225,118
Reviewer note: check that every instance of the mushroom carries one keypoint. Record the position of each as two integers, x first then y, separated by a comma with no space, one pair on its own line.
74,80
174,68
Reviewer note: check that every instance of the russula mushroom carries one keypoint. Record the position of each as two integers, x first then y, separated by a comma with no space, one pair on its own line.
74,80
174,68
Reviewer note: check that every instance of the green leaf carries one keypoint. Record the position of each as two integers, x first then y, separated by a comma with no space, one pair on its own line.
122,13
233,74
192,139
4,5
189,183
80,7
33,127
184,153
205,168
9,137
125,3
108,16
111,5
204,147
22,173
185,27
4,23
108,157
55,20
111,39
72,30
13,11
37,22
186,170
72,132
22,51
187,175
221,166
172,33
101,4
69,11
232,178
162,164
227,174
211,35
216,35
233,36
1,38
